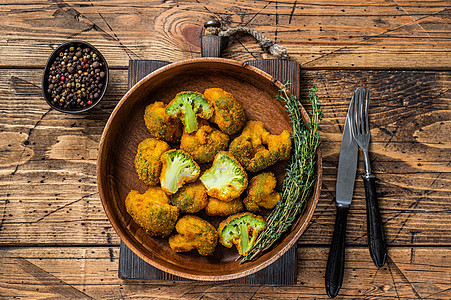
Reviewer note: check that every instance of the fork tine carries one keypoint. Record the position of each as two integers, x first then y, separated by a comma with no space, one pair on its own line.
359,111
351,115
367,124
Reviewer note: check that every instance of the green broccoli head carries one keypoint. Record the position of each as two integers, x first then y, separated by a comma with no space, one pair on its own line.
187,106
147,160
178,168
226,179
241,230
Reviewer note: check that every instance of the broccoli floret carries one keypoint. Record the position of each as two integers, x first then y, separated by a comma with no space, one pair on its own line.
191,198
216,207
229,115
261,192
241,229
152,211
147,160
187,106
159,123
178,168
205,143
226,179
194,233
257,149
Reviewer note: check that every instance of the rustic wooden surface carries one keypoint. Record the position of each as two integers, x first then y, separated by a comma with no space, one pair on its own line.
55,240
318,34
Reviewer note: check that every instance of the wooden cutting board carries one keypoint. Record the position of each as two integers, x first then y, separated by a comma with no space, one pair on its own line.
281,272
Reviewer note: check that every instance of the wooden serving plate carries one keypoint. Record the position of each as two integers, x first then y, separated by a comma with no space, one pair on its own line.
125,129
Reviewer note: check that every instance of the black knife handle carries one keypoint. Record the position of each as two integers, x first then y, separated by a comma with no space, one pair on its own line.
375,231
336,260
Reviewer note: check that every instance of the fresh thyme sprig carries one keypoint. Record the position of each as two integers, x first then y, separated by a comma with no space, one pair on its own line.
300,173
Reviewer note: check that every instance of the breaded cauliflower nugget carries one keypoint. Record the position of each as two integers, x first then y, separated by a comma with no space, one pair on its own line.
147,160
216,207
191,198
152,211
205,143
256,149
229,115
194,233
159,123
261,192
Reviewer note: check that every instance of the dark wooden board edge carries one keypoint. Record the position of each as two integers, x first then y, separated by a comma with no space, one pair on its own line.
283,271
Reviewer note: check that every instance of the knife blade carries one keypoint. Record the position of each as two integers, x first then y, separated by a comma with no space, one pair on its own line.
347,167
347,164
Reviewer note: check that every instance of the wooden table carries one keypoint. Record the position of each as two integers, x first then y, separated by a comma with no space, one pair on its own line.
55,240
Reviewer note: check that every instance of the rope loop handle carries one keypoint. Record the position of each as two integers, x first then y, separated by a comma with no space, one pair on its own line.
213,27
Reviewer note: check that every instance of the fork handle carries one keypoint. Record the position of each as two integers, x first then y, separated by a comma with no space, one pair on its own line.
375,231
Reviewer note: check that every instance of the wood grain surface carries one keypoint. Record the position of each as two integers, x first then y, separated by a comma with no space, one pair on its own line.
91,272
48,186
319,34
55,240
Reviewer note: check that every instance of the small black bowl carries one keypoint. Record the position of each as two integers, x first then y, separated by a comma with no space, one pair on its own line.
45,83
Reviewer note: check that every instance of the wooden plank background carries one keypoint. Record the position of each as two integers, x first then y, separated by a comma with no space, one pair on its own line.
93,270
318,34
48,159
55,239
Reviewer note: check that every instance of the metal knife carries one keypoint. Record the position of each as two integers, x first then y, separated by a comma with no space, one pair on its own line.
347,166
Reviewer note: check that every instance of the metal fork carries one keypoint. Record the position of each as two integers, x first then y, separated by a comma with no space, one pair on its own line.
361,133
